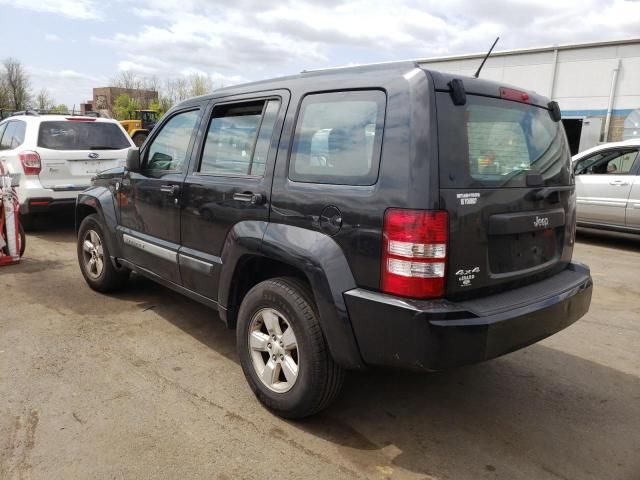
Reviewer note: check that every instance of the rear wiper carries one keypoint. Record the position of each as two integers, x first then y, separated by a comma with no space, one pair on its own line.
103,147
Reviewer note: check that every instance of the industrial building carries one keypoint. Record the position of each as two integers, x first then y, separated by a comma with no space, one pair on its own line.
596,84
105,97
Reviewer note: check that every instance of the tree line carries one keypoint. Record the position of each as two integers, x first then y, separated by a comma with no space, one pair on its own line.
16,92
170,91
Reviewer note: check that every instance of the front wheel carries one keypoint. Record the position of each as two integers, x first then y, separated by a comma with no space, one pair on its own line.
94,258
283,353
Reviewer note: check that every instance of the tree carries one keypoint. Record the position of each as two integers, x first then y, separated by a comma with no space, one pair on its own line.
127,80
159,107
5,99
44,101
124,107
60,108
152,83
199,85
17,84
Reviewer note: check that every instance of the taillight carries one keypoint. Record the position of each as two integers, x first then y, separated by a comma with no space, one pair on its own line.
414,258
513,94
30,162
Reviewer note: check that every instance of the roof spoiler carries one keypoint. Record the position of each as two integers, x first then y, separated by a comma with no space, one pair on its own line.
457,92
554,111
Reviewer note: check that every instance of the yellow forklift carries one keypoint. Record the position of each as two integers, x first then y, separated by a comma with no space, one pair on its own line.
140,125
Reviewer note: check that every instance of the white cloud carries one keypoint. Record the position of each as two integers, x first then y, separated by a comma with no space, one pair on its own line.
52,38
65,86
79,9
251,38
254,39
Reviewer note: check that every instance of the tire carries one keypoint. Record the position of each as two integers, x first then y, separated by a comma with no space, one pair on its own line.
139,138
318,379
106,278
27,221
23,240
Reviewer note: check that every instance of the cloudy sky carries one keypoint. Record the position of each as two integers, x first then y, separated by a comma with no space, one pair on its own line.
70,46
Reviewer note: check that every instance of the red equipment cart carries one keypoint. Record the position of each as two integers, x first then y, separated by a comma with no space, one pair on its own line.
12,239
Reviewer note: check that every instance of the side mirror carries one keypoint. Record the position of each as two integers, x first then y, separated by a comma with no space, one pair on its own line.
133,160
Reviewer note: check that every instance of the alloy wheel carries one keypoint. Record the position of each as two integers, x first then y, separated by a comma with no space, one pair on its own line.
274,350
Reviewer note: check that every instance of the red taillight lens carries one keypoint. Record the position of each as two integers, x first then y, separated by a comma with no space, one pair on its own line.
30,162
513,94
414,258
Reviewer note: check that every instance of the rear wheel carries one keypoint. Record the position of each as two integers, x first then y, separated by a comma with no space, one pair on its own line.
283,353
139,138
94,258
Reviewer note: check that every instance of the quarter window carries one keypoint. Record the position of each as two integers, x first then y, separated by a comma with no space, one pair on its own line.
169,148
338,138
2,128
13,135
239,138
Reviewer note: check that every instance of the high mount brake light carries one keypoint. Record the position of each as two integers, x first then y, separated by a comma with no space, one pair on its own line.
513,94
414,258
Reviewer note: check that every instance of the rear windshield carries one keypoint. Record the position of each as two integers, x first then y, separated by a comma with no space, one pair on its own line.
495,143
61,135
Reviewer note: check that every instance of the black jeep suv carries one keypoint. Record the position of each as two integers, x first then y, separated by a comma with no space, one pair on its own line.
381,215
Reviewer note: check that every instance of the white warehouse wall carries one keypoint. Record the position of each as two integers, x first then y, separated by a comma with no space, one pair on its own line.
583,75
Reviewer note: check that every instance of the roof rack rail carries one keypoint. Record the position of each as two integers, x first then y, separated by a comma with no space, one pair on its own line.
69,113
26,112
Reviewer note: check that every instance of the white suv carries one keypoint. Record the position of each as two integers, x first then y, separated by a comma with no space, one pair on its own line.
53,157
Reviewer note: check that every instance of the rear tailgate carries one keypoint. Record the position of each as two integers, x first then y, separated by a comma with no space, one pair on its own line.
72,152
505,181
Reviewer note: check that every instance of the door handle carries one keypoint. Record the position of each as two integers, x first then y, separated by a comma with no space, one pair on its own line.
618,183
252,198
170,189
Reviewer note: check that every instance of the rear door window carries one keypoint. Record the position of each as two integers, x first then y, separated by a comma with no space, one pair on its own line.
81,135
494,143
611,162
338,138
238,138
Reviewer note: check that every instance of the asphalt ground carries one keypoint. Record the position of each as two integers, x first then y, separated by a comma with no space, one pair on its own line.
146,384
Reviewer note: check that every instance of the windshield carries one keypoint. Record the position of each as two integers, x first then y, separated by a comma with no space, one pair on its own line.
501,142
66,135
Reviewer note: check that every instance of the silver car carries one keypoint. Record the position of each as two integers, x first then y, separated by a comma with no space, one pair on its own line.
608,186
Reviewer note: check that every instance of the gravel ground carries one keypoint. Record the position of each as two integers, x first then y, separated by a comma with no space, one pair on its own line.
146,384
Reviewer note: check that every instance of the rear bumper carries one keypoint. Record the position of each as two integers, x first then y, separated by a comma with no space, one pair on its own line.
47,204
438,334
34,198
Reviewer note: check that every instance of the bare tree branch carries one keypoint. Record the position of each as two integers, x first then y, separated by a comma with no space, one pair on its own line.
17,84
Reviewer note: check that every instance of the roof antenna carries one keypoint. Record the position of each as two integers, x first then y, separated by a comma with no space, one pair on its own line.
485,57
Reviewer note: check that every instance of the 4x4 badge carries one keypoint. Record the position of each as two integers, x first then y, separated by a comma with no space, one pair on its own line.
465,276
